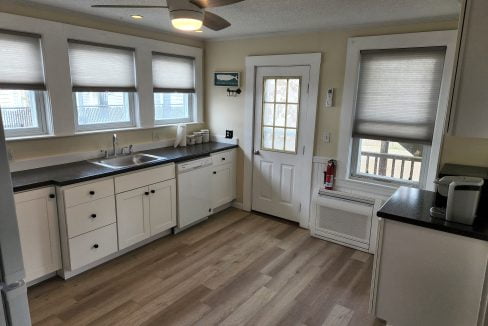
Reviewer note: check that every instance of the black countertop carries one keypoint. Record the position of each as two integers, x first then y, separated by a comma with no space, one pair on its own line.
65,174
412,206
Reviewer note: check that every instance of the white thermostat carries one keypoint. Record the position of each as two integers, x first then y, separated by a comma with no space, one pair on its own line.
329,99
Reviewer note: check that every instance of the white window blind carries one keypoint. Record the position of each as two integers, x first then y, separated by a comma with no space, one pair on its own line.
102,68
398,94
21,61
173,74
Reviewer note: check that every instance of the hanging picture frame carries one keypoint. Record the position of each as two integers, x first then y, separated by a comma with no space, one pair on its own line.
227,79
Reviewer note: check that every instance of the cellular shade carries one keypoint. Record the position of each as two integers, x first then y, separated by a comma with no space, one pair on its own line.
398,94
173,73
97,67
21,61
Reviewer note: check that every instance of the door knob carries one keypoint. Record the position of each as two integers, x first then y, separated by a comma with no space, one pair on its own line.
256,152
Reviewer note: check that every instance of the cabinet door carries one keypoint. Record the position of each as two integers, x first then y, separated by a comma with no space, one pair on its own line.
37,217
132,216
223,185
162,206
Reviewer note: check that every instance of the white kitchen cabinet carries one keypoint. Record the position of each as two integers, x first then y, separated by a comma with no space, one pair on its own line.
162,206
132,216
39,233
470,98
223,178
147,210
428,277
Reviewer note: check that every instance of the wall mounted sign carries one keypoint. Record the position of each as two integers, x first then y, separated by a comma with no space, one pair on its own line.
227,79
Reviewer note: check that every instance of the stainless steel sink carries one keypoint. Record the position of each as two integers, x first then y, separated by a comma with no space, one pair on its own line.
127,161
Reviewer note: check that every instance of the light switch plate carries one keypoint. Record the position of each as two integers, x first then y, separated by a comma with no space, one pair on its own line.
326,136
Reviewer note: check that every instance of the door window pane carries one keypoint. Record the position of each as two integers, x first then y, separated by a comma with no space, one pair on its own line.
268,137
291,139
268,114
279,138
280,114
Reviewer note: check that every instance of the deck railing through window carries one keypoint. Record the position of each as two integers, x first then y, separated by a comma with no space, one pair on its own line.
94,114
19,117
391,165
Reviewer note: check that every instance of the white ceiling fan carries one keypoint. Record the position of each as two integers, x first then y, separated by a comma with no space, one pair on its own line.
188,15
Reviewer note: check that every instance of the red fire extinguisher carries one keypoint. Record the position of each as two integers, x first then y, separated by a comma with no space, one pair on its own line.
330,174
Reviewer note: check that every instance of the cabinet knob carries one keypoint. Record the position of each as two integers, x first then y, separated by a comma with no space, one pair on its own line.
95,246
209,210
146,193
223,158
93,215
52,196
153,191
214,172
92,192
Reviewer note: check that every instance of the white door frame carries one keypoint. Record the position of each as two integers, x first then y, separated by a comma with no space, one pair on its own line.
252,63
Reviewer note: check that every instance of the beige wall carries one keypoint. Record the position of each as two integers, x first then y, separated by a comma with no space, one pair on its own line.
467,151
224,112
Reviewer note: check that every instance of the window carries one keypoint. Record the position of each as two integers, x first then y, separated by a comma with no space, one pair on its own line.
281,98
103,79
396,105
22,89
174,88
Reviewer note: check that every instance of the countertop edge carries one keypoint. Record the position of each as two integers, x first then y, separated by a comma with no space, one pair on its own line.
48,183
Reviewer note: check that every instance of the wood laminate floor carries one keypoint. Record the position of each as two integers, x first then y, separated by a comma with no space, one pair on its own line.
234,269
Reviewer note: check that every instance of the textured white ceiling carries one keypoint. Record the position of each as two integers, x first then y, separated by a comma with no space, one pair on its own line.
252,17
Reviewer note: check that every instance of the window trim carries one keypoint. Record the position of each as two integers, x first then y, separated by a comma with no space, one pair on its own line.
355,45
41,100
165,122
106,126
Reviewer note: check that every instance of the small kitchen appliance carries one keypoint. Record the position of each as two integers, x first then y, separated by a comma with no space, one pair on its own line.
462,197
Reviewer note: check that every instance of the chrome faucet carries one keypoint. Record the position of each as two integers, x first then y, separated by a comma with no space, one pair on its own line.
114,144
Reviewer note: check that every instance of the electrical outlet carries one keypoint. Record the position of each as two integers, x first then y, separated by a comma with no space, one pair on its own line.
326,137
229,134
155,136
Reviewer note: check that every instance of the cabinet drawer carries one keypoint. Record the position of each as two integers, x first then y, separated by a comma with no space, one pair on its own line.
144,177
223,157
90,216
88,192
92,246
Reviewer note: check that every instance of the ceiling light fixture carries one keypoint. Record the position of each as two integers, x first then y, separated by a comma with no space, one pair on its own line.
187,20
137,16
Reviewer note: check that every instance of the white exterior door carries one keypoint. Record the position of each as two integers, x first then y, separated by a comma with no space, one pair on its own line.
280,114
133,216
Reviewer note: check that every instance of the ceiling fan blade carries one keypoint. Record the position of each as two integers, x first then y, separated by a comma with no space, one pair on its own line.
214,21
126,6
213,3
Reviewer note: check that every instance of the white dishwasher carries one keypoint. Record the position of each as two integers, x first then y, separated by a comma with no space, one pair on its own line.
194,196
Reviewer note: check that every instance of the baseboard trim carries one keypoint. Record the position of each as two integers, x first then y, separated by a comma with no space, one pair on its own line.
238,205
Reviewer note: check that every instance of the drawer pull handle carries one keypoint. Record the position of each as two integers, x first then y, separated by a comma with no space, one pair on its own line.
52,196
146,193
214,172
93,215
95,246
223,158
153,191
91,192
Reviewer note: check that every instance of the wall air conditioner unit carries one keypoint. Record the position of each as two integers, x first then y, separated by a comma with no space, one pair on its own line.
342,218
